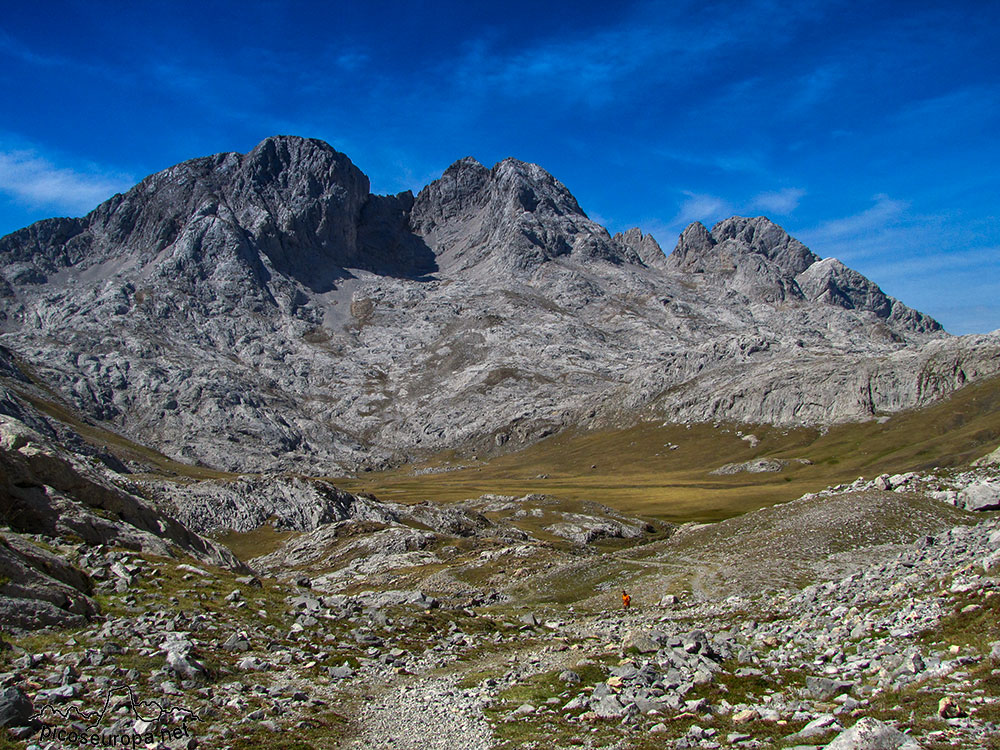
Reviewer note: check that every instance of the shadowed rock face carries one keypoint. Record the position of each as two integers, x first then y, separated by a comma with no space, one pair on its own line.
47,489
508,220
265,310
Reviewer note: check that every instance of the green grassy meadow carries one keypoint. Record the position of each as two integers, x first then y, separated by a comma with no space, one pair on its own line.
635,471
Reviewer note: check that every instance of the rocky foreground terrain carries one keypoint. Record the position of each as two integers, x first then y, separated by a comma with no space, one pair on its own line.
862,616
265,311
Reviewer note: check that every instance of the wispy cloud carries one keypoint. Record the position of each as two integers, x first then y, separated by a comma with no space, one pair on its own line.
701,207
933,264
665,43
955,112
31,56
33,180
936,263
815,86
968,318
865,231
581,70
780,202
352,60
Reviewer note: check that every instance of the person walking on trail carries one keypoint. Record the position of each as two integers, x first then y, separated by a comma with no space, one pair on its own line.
626,600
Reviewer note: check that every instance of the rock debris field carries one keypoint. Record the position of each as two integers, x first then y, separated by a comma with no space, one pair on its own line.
902,652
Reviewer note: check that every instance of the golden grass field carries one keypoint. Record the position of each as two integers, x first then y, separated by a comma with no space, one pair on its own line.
633,470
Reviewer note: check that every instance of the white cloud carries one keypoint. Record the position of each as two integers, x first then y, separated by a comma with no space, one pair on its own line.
933,263
701,207
33,180
780,202
880,229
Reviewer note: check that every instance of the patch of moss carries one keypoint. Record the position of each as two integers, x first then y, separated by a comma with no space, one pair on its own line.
316,733
975,630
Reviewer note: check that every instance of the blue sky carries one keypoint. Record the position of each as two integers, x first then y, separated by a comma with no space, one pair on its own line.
868,130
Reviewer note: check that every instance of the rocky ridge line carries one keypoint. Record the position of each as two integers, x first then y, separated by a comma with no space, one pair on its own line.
269,302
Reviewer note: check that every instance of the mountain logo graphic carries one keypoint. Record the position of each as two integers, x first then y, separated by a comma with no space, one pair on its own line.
157,722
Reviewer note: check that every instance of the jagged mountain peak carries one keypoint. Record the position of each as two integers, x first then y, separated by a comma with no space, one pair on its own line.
290,205
761,235
511,186
758,259
693,247
642,245
302,163
535,188
736,238
510,219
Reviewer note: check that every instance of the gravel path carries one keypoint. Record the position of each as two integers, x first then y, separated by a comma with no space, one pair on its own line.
423,713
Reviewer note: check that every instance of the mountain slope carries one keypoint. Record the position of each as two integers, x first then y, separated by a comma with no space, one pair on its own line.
265,311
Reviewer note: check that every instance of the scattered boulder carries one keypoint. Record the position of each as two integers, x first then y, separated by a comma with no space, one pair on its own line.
641,642
398,597
818,727
980,496
756,466
15,708
823,688
180,659
949,708
608,707
872,734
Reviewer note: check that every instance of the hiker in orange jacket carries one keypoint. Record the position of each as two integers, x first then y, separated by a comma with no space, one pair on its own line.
626,600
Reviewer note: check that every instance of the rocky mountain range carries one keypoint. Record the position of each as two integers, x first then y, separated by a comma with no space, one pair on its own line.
266,311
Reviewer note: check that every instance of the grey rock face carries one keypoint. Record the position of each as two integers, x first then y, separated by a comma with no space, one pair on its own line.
40,589
246,503
980,496
49,490
872,734
265,311
15,708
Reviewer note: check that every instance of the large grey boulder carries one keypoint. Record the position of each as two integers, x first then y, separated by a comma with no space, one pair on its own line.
980,496
56,492
872,734
824,688
39,589
180,658
15,708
